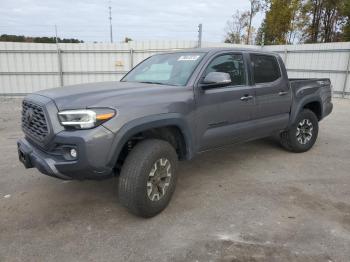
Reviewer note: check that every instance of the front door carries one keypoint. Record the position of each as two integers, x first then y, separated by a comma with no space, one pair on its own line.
223,112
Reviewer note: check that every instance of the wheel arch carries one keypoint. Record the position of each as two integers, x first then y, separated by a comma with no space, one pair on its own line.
312,103
164,123
315,107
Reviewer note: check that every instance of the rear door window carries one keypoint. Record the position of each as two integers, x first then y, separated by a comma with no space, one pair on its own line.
265,68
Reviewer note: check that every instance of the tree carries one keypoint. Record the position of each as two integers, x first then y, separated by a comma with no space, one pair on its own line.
325,20
127,39
310,21
313,8
235,29
255,7
260,36
346,28
279,22
21,38
12,38
297,23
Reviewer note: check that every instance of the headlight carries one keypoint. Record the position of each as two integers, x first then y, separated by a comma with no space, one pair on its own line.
85,118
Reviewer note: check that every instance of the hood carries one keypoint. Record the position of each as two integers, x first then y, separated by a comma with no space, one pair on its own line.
101,94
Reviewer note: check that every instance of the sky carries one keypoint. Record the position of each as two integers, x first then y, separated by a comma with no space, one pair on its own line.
140,20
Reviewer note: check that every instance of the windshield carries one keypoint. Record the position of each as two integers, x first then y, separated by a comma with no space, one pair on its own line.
166,69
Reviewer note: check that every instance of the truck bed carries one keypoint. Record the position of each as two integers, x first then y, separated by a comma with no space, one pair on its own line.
297,83
307,79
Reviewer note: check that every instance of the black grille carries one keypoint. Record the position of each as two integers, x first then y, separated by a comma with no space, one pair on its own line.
34,121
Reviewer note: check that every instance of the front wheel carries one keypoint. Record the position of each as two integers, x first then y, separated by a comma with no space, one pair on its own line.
302,135
148,178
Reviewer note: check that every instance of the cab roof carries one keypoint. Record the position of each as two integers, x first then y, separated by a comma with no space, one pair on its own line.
213,50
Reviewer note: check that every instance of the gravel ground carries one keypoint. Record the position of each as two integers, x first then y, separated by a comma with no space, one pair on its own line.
249,202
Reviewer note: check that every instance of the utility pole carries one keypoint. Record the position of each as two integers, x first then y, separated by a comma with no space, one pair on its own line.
56,38
59,60
110,21
200,28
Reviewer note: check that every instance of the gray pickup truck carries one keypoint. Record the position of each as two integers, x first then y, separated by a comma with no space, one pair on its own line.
170,107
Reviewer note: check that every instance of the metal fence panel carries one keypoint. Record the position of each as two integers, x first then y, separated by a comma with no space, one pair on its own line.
329,60
29,67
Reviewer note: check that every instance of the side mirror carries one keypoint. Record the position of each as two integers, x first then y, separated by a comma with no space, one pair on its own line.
217,78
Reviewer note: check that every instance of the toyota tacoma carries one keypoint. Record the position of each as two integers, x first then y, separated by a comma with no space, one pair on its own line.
170,107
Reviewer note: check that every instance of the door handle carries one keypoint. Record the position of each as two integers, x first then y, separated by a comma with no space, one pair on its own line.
282,93
246,98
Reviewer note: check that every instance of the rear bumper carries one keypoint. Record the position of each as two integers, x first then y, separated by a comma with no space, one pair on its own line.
92,147
327,109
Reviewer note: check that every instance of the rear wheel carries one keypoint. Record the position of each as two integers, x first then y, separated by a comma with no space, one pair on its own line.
148,178
302,135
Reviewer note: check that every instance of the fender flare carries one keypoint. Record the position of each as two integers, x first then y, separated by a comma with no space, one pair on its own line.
298,107
144,123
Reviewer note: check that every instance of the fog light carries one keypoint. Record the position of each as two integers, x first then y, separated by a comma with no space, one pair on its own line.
73,153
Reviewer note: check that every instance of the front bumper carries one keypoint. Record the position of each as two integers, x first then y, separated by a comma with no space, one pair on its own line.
33,157
92,146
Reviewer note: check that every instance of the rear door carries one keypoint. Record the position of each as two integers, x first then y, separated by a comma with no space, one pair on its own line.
272,91
224,111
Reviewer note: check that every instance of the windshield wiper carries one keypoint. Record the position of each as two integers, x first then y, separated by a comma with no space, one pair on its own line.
152,82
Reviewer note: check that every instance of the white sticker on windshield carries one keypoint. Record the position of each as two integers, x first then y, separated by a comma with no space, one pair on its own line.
188,58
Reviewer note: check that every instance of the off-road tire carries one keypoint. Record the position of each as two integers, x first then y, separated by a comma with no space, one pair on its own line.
289,138
134,177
